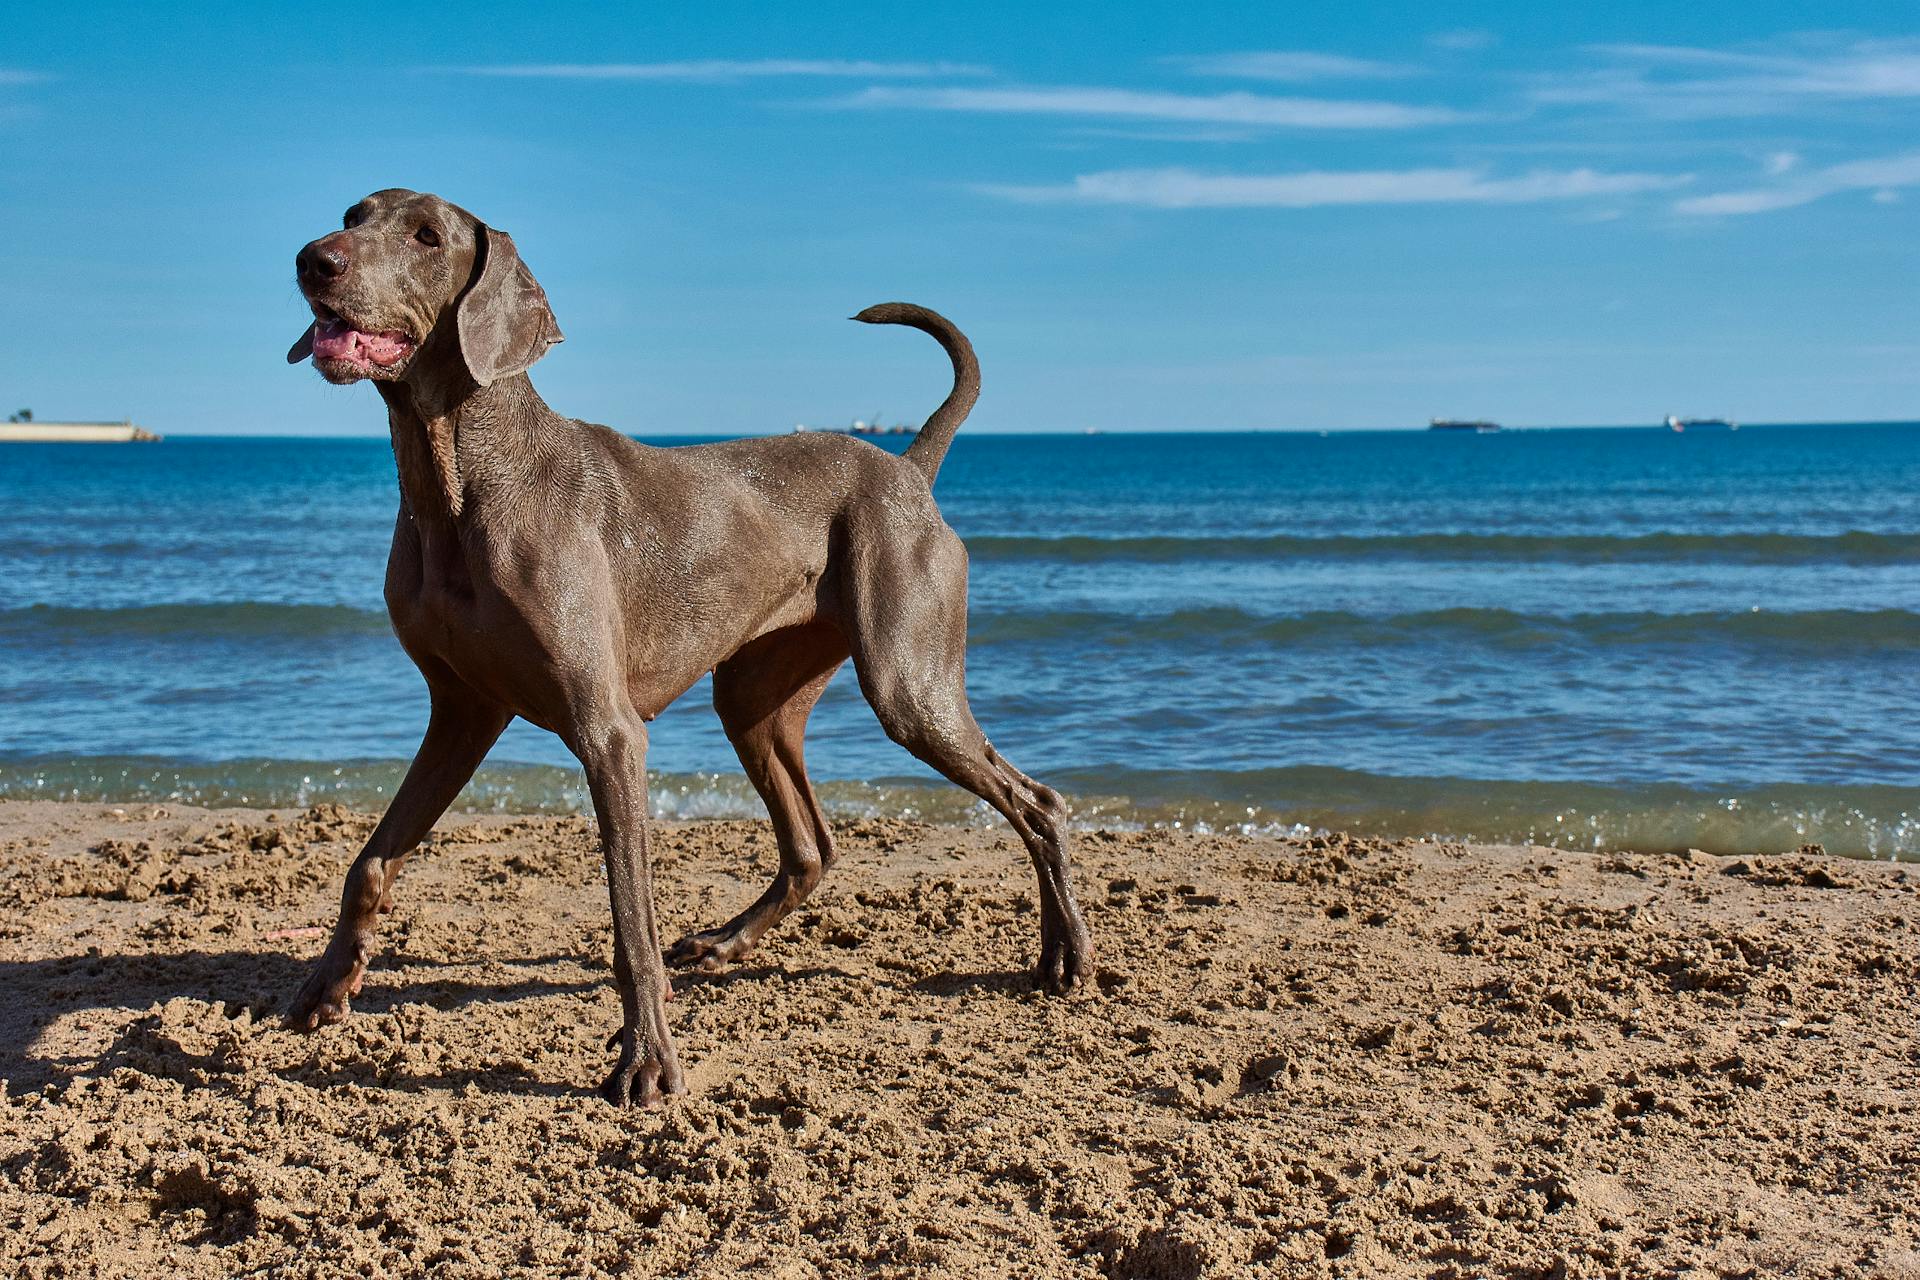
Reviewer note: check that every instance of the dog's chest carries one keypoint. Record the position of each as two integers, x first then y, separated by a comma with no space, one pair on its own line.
437,613
435,622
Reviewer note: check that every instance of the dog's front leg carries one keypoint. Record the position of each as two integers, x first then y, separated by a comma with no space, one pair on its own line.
460,731
614,751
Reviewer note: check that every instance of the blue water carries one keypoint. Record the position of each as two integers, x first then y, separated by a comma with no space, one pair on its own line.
1618,637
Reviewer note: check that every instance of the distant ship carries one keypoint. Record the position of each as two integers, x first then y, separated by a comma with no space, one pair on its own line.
1459,424
1721,424
863,428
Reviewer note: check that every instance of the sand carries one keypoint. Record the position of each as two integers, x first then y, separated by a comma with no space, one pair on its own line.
1329,1057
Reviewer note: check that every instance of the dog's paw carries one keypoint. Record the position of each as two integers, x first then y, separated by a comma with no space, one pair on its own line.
710,951
327,995
1064,968
643,1079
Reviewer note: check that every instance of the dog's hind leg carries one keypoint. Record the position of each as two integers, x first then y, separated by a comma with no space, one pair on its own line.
910,650
764,694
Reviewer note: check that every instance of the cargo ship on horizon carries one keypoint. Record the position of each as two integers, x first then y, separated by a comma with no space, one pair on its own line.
1480,425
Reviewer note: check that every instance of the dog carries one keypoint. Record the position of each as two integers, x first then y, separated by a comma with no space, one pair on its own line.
558,571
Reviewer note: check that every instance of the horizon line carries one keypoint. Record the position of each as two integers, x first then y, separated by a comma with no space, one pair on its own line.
1099,431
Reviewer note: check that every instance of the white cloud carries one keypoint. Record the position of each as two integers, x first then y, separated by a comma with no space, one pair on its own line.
1739,202
15,75
1220,108
1464,40
1782,162
1188,189
1688,55
1695,83
1881,175
1203,134
1292,65
718,70
1866,69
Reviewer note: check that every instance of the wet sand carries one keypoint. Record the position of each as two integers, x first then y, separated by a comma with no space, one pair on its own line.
1330,1057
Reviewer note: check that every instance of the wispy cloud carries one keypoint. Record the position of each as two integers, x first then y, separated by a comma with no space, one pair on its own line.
16,75
1189,189
1290,65
1697,83
1881,176
1220,108
1864,69
1464,40
1201,134
720,70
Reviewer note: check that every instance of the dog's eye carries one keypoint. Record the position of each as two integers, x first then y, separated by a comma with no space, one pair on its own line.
428,236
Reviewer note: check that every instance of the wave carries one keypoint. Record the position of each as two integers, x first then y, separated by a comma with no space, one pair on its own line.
246,618
1852,821
27,550
1855,548
1852,548
1862,821
1828,630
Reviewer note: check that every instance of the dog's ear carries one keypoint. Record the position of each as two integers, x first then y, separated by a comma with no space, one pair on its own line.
302,348
504,321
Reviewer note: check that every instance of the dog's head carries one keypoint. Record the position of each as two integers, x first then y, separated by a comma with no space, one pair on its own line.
412,287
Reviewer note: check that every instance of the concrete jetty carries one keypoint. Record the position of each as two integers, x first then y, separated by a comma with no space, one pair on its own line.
74,433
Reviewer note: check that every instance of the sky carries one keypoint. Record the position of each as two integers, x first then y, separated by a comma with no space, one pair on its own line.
1146,216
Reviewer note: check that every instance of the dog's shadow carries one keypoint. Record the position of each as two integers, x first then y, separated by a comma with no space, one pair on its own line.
947,984
257,985
1006,982
253,984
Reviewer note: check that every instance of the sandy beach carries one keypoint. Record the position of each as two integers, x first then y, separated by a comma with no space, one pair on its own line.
1327,1057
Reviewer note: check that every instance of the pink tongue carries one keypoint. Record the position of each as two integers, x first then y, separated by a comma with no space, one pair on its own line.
334,340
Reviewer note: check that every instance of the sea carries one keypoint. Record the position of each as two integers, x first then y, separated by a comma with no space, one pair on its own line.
1624,638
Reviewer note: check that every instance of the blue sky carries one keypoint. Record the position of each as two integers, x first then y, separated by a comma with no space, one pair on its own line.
1146,216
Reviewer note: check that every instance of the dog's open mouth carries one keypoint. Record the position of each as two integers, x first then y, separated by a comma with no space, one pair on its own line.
335,340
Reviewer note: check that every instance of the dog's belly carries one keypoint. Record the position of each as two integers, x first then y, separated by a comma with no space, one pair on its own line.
689,603
667,652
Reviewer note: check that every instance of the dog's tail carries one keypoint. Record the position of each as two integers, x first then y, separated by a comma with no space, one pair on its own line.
930,446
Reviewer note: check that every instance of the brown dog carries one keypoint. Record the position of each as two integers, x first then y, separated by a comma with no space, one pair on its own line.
559,571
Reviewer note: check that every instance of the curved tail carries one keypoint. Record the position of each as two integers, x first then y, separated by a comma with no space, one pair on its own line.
930,446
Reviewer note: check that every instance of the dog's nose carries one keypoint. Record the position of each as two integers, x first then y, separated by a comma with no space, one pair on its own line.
320,262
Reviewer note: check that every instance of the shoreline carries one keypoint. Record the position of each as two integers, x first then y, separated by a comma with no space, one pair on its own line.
1875,822
1328,1056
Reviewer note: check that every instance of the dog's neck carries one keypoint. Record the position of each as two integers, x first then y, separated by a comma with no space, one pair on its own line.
450,440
